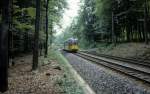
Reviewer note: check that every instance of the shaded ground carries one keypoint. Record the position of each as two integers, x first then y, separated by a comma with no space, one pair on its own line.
43,81
52,76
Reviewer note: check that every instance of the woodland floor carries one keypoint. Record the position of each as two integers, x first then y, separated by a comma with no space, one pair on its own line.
136,50
43,81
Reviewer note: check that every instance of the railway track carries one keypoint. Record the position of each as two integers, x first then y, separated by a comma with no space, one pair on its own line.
140,62
129,67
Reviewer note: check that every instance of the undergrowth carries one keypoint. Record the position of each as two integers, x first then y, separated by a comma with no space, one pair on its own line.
67,82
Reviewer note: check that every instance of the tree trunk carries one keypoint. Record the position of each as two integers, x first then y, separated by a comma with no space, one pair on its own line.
145,22
113,31
36,37
10,39
128,31
51,33
46,44
26,42
4,46
142,32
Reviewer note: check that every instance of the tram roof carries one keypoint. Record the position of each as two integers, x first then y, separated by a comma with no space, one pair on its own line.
71,39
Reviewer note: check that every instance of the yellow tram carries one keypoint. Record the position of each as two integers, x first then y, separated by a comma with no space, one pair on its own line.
71,45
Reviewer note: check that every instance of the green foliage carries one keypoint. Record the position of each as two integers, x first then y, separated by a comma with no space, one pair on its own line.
67,82
24,27
31,12
23,20
82,26
55,12
94,23
56,9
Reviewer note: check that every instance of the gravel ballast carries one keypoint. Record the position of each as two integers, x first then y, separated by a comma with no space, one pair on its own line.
103,80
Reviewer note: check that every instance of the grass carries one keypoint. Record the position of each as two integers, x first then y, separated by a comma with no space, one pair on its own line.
67,82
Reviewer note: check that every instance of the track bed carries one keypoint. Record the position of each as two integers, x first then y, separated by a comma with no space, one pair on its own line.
103,80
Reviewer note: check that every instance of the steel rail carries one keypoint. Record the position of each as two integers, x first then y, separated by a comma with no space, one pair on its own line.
137,74
134,61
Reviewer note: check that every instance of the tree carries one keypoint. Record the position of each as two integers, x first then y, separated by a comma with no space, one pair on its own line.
4,45
145,21
112,21
36,36
46,43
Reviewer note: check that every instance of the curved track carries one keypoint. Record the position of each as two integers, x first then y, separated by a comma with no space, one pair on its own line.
129,67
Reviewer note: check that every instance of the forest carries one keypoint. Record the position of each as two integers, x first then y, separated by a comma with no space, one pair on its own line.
24,25
110,21
28,27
